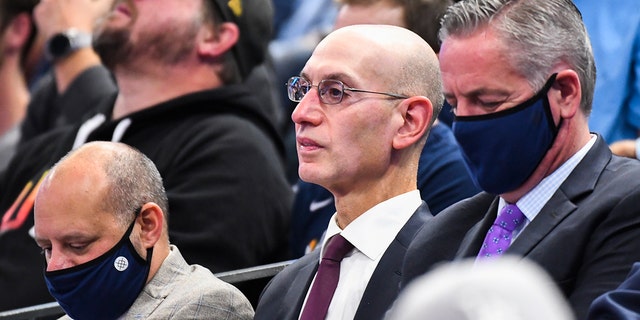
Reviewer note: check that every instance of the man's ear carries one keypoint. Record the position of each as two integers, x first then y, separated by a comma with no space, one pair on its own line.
215,42
417,112
151,221
17,33
566,93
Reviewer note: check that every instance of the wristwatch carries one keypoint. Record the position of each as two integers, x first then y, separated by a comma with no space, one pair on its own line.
66,42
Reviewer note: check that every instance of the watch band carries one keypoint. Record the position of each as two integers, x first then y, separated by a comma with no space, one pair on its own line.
66,42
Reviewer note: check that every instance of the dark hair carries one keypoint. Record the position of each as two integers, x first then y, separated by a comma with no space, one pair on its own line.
254,19
423,17
134,180
539,34
230,70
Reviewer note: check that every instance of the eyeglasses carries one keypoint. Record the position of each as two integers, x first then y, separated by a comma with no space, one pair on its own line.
329,91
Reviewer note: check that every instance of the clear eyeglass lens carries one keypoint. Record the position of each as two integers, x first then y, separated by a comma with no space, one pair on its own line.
297,87
331,91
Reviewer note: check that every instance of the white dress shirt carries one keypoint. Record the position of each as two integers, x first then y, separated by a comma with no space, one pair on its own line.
371,234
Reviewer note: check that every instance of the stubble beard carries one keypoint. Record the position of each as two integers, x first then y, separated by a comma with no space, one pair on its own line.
164,46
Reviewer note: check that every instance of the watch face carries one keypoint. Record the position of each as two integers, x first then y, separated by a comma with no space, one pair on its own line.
59,45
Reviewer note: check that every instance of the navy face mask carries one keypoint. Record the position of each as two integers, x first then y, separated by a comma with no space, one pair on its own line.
103,288
502,149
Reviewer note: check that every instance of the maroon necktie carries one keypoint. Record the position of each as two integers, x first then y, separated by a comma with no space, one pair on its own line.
498,237
326,279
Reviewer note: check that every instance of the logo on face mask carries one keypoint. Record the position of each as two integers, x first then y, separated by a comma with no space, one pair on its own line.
502,149
121,263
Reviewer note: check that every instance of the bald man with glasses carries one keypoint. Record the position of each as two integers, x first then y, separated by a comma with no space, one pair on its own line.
360,128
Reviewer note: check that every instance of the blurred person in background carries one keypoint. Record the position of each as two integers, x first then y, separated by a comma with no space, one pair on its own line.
17,35
614,30
182,102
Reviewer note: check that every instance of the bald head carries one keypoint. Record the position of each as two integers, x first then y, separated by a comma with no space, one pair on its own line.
89,200
117,177
388,84
396,57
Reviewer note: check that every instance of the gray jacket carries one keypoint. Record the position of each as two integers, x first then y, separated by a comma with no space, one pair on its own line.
183,291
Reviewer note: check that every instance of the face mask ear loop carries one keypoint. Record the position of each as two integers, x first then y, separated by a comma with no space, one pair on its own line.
547,106
146,260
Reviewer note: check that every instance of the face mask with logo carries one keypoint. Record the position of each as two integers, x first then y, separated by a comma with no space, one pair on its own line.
502,149
103,288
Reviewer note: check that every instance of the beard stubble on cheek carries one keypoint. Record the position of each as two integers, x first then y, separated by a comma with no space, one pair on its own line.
115,46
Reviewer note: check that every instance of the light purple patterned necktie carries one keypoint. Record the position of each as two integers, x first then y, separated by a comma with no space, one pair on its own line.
326,279
498,237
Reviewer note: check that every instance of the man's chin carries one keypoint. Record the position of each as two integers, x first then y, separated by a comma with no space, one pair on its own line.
112,45
309,173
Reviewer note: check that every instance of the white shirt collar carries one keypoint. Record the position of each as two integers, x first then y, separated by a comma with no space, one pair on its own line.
373,231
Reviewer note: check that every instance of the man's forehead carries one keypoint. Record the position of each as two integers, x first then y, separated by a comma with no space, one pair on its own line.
319,74
56,223
337,61
76,223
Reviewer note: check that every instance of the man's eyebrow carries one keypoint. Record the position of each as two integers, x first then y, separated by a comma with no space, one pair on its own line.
78,236
448,96
486,91
40,240
75,236
332,76
340,76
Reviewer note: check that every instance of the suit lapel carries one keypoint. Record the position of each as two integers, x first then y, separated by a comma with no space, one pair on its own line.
556,209
300,285
384,284
470,245
579,183
160,286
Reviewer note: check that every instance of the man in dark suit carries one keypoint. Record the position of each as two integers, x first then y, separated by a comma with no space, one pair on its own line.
520,76
363,145
442,178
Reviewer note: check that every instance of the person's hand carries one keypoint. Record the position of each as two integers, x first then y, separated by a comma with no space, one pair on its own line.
54,16
624,148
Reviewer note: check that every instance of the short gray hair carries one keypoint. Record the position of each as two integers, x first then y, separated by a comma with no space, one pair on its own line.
539,34
133,181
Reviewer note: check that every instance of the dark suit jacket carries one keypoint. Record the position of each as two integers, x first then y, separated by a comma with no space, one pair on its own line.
283,297
586,236
621,303
438,241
